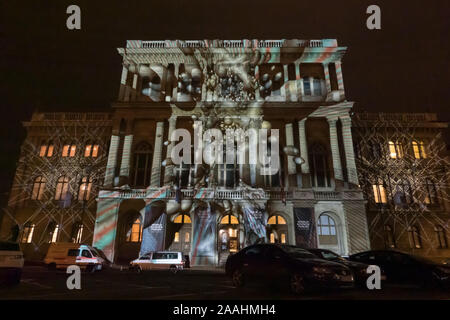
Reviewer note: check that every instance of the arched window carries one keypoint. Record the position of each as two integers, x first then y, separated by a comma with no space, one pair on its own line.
229,219
38,188
441,237
415,237
182,218
62,187
277,219
134,234
69,150
142,164
390,239
319,166
84,191
27,233
419,150
326,230
395,150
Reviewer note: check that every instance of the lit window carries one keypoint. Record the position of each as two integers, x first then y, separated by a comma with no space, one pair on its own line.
69,150
419,150
27,233
395,150
177,237
135,232
182,218
54,234
38,188
85,189
229,219
431,195
272,238
441,237
283,238
277,219
187,236
91,150
46,150
415,238
62,187
379,193
78,234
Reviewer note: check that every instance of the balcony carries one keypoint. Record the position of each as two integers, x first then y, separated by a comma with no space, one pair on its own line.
165,193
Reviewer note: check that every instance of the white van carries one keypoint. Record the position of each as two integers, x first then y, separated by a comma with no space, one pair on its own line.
11,262
159,260
64,254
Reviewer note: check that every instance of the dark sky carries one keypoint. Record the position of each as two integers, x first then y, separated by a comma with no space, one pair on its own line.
403,67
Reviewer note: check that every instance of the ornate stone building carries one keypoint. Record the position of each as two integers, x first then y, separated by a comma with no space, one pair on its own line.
146,201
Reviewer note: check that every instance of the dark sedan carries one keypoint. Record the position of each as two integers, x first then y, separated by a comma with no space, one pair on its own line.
296,266
401,267
359,269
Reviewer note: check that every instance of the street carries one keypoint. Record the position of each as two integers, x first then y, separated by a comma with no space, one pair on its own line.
38,283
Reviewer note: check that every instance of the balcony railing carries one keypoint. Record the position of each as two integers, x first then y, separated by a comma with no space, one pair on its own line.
165,193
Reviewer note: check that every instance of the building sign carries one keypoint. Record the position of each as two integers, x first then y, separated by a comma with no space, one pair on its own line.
305,232
153,236
204,239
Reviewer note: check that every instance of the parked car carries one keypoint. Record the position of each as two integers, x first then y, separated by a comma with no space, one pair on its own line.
62,254
159,260
359,269
286,264
401,267
11,263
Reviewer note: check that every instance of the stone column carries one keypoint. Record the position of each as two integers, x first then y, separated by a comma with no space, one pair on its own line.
126,156
304,154
175,88
112,161
337,167
352,173
340,79
284,88
291,167
257,93
298,82
157,154
123,83
204,93
327,77
168,169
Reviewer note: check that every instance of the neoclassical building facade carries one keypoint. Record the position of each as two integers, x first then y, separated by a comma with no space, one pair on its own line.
141,199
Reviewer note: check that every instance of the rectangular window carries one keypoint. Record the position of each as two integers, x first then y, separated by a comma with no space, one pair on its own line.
306,86
27,234
43,151
177,237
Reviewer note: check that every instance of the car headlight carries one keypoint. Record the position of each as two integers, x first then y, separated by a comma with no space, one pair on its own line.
322,270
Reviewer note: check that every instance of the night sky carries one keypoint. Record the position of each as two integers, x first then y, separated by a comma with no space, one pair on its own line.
403,67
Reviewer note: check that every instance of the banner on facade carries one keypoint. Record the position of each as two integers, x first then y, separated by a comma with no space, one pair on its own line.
153,236
305,231
204,237
153,212
255,225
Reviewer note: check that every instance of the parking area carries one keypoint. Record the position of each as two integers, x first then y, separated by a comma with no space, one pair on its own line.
38,283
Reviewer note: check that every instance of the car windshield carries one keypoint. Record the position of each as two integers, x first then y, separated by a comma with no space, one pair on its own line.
298,252
330,255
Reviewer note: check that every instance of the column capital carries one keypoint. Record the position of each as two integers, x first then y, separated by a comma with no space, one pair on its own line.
332,120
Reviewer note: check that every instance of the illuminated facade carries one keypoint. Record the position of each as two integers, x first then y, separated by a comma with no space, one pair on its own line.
145,202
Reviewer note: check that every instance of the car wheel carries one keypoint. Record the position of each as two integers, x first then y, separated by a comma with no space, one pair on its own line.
237,278
297,283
